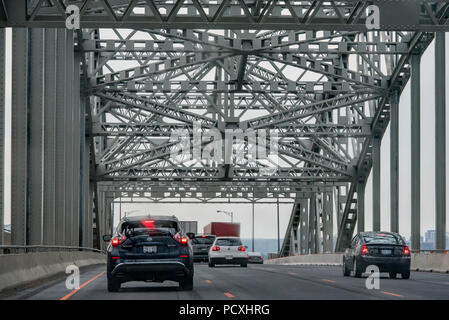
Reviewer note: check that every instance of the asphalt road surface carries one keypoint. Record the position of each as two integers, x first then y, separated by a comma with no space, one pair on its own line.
264,282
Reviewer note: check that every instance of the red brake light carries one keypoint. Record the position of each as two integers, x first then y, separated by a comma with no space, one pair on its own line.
182,240
148,224
242,248
364,249
406,251
203,236
184,256
116,241
216,248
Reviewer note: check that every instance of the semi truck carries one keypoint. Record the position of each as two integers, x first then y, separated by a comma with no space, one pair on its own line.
222,229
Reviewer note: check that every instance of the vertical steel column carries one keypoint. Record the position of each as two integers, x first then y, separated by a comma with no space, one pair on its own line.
278,228
61,79
304,226
19,137
77,176
440,140
70,229
253,227
2,127
312,225
49,225
415,105
376,184
90,235
360,206
394,162
328,222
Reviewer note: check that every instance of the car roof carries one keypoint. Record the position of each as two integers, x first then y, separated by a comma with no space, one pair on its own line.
218,238
138,218
380,232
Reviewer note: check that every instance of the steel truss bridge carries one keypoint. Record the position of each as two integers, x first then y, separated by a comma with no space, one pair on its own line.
93,109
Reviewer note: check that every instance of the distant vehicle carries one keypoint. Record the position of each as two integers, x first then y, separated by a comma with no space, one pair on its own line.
201,245
228,250
222,229
255,257
149,248
386,250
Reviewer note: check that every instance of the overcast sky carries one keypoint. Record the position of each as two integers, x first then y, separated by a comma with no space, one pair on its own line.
265,221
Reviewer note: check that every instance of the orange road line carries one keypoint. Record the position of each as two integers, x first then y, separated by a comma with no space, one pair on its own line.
392,294
82,286
326,280
208,281
227,294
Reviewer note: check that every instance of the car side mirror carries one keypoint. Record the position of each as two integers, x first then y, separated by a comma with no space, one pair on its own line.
191,235
246,247
107,238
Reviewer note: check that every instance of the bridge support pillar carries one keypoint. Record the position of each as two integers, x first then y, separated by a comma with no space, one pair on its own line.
19,136
313,232
415,152
328,222
394,162
440,140
50,150
376,184
361,206
304,226
2,126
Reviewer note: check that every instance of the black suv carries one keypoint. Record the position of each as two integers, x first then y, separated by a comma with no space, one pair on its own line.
149,248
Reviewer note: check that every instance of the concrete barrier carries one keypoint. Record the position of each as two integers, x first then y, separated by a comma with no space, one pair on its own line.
20,269
330,259
430,261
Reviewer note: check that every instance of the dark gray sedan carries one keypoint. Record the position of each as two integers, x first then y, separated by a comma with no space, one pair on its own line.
386,250
255,257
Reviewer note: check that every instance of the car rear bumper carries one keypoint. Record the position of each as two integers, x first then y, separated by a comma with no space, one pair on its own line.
223,260
200,256
150,269
386,264
255,260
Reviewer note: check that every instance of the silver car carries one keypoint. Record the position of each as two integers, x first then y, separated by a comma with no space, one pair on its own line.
255,257
228,250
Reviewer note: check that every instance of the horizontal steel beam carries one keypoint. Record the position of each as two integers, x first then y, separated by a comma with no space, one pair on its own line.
423,15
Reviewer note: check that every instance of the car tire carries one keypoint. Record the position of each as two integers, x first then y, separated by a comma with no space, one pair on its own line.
393,275
357,270
406,275
211,265
187,283
244,265
346,271
113,284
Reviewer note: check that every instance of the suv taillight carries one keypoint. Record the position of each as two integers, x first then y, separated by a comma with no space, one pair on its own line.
216,248
242,248
116,241
406,251
364,250
181,239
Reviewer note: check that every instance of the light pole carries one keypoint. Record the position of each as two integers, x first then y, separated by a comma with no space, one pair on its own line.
228,213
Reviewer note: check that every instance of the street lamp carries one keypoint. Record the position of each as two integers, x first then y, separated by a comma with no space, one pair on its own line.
228,213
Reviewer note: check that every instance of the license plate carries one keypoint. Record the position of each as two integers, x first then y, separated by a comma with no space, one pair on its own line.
152,249
228,257
385,251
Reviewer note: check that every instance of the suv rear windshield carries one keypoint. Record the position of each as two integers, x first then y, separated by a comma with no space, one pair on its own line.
381,238
228,242
201,240
133,228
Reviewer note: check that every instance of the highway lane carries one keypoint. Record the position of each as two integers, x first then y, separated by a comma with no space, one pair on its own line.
257,282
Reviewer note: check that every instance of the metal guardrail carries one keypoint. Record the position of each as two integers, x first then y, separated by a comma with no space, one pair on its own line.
430,251
30,249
